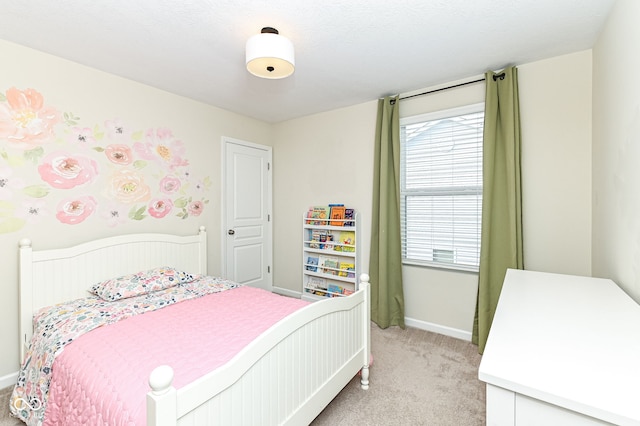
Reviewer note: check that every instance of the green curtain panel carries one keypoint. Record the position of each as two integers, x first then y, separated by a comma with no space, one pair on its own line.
501,240
385,262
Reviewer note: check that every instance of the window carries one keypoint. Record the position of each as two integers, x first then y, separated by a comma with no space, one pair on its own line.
441,188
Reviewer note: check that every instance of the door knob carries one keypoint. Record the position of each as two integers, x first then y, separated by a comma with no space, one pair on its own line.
231,232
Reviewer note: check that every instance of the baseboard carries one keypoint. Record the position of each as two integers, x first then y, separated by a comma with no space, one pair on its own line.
440,329
422,325
9,380
287,292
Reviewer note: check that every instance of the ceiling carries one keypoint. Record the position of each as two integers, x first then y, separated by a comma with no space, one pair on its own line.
347,51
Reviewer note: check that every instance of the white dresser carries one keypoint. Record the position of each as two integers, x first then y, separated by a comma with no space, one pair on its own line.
562,350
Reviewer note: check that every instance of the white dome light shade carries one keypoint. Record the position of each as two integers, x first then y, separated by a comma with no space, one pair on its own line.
270,55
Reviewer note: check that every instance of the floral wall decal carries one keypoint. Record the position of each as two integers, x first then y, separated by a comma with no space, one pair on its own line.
65,171
24,119
53,167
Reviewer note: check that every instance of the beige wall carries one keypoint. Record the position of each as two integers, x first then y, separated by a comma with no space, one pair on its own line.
95,97
616,149
320,159
555,106
327,158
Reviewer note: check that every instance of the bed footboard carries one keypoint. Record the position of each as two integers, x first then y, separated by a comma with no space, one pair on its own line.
286,376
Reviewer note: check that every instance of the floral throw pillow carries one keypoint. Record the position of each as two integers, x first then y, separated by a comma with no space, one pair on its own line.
142,282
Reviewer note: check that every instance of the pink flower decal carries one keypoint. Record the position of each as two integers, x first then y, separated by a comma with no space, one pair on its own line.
163,148
76,210
25,121
64,171
9,183
117,130
160,208
83,136
170,184
114,214
128,187
195,208
119,154
32,211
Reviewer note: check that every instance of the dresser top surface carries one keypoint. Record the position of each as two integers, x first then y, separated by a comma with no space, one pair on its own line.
568,340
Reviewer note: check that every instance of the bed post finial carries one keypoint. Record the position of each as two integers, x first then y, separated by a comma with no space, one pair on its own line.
162,406
24,243
160,379
202,229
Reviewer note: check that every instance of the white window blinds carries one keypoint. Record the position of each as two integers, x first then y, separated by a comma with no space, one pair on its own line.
441,188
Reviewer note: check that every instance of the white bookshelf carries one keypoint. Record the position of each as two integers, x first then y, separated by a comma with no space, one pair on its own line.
335,247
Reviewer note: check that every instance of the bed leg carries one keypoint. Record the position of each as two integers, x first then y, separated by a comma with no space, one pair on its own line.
364,377
161,401
366,324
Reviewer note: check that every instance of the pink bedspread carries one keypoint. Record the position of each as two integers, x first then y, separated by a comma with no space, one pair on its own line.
102,377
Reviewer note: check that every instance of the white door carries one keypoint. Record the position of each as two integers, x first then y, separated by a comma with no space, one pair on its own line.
247,222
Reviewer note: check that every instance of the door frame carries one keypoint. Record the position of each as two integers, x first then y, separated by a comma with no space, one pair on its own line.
224,196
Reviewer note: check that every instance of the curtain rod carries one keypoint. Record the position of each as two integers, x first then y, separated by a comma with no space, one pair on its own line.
495,78
442,88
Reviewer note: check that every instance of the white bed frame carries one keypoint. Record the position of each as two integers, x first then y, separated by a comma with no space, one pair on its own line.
286,376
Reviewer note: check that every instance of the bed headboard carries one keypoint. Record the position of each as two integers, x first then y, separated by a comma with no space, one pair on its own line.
53,276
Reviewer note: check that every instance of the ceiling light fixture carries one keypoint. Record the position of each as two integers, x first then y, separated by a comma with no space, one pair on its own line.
270,55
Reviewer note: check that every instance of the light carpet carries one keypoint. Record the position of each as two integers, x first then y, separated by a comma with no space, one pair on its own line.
417,378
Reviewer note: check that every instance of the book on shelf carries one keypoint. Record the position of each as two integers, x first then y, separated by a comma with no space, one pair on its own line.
310,216
312,264
323,239
334,288
318,292
328,242
349,217
316,283
318,215
318,237
329,265
347,241
347,269
337,215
